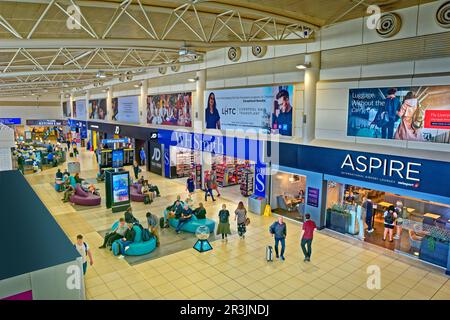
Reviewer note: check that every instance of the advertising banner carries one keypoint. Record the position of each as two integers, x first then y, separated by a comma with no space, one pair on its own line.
156,156
406,113
10,121
264,109
97,109
170,109
79,109
120,188
66,109
126,109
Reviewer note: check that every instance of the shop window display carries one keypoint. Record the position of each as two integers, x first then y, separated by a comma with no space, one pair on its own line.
421,228
288,195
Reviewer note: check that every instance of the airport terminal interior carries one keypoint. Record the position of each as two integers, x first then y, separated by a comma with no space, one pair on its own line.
225,150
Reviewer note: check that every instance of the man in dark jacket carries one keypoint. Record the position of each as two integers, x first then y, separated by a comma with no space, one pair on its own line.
391,106
128,239
279,231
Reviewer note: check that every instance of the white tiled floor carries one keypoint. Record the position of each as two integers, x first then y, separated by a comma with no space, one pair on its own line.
237,269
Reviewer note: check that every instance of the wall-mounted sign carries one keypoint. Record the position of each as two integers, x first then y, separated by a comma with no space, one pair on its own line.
97,109
122,140
125,109
170,109
313,197
46,122
155,152
10,121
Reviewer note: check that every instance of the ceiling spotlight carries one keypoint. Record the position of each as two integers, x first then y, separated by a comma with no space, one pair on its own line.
193,79
138,85
101,74
303,66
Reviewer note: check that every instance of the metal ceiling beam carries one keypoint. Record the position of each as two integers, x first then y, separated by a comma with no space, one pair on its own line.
168,10
57,43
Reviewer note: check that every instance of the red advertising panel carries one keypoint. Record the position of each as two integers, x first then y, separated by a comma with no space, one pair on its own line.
437,119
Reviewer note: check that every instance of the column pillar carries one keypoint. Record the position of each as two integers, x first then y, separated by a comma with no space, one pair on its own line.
143,103
312,75
198,115
109,96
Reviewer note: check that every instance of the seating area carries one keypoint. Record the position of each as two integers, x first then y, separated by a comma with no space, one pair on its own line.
192,225
84,198
138,247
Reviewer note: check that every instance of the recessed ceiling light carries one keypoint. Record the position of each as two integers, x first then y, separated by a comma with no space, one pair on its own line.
193,79
101,74
303,66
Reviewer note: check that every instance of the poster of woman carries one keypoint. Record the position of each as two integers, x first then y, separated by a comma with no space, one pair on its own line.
170,109
407,113
97,109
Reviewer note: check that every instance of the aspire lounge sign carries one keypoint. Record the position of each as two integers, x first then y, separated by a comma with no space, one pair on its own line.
382,169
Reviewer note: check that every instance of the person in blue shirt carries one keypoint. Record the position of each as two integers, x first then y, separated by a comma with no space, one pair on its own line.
142,156
212,117
186,215
285,116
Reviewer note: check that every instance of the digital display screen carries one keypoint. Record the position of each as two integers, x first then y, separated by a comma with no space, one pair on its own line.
117,158
120,188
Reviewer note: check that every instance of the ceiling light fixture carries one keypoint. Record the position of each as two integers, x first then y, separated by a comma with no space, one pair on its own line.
101,74
193,79
303,66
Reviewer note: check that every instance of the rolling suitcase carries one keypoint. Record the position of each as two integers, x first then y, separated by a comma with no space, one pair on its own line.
269,253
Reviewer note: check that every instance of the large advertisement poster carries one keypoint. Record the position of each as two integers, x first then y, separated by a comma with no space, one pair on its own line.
79,109
97,109
170,109
125,109
120,188
408,113
155,152
66,109
265,109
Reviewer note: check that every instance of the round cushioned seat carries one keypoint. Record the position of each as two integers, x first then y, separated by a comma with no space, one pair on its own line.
84,198
138,247
192,225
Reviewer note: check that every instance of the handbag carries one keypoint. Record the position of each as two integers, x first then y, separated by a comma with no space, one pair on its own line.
247,221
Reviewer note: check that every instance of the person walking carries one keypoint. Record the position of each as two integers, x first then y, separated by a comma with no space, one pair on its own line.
75,150
307,235
83,249
208,188
214,184
136,169
368,208
279,231
190,185
224,223
152,221
142,156
240,215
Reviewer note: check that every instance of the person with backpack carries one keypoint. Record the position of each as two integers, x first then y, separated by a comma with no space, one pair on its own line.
152,221
307,235
117,234
127,239
389,223
240,215
278,230
83,249
129,217
224,223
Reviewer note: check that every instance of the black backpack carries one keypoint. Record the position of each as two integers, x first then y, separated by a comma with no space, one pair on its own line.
146,235
389,219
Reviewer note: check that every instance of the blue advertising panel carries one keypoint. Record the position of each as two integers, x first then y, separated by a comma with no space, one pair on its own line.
263,109
120,188
117,158
46,122
10,121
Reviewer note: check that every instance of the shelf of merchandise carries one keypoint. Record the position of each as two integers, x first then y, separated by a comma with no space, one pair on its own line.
246,182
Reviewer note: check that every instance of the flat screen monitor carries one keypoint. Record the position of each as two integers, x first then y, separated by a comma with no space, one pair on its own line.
117,158
120,188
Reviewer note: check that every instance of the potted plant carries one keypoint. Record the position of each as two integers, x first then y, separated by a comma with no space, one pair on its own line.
338,218
435,247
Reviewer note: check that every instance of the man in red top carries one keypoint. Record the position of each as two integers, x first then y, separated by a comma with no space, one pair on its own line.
307,236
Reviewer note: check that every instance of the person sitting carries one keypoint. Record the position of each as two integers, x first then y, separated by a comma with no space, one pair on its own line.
69,190
77,178
152,221
154,188
66,173
118,233
200,212
141,180
59,175
127,239
186,215
129,217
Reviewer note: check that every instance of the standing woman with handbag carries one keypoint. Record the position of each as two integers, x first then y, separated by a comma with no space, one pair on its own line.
242,220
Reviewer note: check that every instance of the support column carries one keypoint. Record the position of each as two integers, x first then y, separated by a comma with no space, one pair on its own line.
312,75
109,111
87,98
143,103
198,110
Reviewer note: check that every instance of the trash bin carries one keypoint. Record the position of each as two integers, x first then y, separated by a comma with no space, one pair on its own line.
257,204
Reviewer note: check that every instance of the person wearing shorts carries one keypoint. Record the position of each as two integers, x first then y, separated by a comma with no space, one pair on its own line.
389,223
